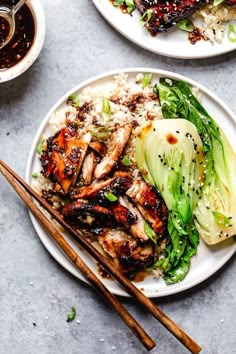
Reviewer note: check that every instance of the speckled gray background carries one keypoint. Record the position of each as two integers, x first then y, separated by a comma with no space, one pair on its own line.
35,292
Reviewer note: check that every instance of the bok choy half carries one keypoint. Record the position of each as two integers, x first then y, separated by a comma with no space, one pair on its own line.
189,160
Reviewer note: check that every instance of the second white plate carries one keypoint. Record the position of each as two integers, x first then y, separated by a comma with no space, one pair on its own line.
172,44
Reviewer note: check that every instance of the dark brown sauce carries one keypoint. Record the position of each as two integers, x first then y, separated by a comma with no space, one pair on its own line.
4,29
195,36
22,40
103,273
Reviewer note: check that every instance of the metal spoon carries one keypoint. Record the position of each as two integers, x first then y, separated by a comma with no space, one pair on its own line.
9,14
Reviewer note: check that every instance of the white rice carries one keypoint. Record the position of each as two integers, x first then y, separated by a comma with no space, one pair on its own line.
215,20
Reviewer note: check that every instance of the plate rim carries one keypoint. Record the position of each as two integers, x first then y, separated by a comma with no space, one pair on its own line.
61,260
99,7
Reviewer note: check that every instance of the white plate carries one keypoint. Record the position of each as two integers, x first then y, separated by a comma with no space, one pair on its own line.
208,259
172,44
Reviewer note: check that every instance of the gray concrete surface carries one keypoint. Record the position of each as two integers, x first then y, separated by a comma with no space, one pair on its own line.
36,293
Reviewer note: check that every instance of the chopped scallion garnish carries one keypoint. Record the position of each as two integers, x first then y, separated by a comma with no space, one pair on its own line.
35,175
150,232
129,3
106,109
185,25
100,132
217,2
232,33
110,196
146,80
126,161
73,101
146,17
71,315
220,218
39,148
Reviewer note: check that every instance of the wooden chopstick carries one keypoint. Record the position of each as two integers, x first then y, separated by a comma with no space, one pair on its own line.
179,333
144,338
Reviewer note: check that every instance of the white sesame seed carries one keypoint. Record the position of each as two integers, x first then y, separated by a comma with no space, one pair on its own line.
78,321
102,340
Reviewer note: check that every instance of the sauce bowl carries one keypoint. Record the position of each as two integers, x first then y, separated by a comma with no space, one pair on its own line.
37,12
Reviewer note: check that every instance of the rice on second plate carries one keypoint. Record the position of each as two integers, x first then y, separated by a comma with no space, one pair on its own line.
215,20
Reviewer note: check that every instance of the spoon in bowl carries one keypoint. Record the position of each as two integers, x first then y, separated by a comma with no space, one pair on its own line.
8,14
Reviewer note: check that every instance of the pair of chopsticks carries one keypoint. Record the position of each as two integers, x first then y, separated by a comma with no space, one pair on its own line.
26,193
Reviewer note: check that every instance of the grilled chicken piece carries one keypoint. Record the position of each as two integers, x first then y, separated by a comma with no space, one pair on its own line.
137,228
64,156
88,214
151,205
127,254
88,167
99,147
118,141
122,214
116,185
164,14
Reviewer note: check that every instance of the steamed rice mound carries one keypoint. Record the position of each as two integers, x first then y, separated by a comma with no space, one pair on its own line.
214,20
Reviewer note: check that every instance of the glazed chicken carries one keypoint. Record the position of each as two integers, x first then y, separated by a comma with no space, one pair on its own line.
150,204
118,141
63,158
161,15
126,253
82,213
116,185
103,200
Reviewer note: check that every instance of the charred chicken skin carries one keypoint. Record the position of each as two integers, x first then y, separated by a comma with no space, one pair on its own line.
125,251
116,185
63,158
161,15
150,204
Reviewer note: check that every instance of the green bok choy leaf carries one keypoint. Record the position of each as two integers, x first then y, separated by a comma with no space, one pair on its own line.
170,155
215,213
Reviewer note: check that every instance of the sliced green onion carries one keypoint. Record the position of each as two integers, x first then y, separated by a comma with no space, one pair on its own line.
106,109
39,148
146,80
185,25
220,218
150,232
126,161
71,315
100,132
146,17
73,101
110,196
232,33
130,6
118,2
129,3
217,2
35,175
